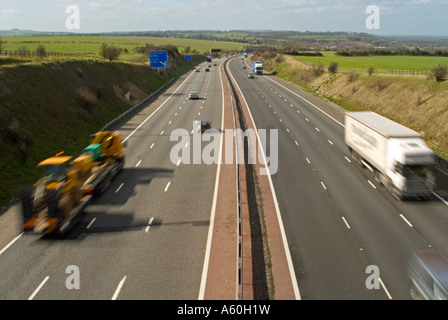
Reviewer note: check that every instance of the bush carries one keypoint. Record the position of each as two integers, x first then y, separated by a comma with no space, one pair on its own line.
352,76
333,68
370,71
439,73
318,69
382,84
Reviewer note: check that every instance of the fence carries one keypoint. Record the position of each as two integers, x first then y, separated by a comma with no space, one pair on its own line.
386,71
34,54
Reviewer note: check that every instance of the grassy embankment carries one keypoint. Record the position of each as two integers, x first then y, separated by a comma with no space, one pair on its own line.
47,107
417,102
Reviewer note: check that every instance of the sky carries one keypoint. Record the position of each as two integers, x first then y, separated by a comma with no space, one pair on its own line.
390,17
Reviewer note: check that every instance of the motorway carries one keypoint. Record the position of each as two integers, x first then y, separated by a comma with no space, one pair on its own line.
145,237
337,219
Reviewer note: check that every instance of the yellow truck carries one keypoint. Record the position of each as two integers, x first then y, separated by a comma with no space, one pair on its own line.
57,200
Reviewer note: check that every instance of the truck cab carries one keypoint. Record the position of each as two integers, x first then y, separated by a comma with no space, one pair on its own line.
411,166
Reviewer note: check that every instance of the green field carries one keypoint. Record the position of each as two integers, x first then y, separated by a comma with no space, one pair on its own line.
92,44
379,62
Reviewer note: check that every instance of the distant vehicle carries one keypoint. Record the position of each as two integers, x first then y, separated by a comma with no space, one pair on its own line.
428,271
244,67
209,65
397,155
257,67
205,125
197,69
215,64
251,76
193,95
207,69
209,58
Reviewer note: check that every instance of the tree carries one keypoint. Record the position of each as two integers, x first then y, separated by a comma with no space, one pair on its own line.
103,50
41,52
110,52
1,44
23,51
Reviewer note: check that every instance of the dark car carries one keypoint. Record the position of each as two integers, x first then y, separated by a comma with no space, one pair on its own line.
205,125
207,69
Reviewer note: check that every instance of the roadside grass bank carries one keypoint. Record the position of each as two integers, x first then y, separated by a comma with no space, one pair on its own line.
416,102
49,107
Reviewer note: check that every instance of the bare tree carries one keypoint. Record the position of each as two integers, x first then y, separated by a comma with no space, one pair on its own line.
41,51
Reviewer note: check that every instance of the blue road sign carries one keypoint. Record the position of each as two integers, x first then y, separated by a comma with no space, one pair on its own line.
158,59
188,58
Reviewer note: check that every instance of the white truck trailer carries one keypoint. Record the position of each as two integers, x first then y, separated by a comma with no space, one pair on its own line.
398,156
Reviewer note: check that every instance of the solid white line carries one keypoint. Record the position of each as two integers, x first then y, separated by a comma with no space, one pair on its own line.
138,164
440,198
167,186
406,220
215,199
346,223
277,208
90,224
10,243
117,291
385,289
119,188
150,116
373,186
38,288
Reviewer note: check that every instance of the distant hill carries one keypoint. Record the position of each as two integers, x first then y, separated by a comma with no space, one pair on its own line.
29,33
308,40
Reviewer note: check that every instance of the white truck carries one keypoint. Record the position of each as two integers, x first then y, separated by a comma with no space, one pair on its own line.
257,67
398,156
